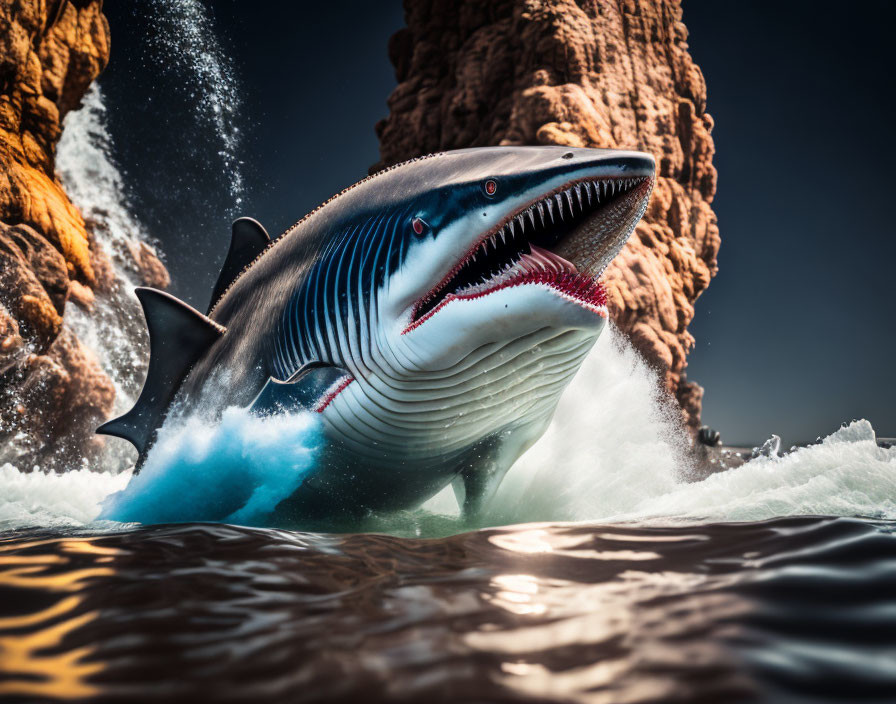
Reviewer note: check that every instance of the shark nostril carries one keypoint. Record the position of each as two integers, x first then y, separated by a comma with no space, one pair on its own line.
568,155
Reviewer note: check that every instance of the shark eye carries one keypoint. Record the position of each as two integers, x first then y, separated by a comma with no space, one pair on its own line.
419,226
491,187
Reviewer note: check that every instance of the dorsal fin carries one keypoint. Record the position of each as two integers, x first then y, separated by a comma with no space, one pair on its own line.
247,241
178,336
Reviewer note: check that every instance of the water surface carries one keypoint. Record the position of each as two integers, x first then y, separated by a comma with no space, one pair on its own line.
795,609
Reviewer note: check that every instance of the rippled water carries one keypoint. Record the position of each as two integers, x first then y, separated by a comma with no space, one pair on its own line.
797,609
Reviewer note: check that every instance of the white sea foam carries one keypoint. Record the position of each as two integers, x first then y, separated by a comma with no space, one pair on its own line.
30,499
613,453
846,474
614,439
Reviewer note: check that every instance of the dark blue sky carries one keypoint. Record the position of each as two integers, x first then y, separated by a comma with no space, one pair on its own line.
794,335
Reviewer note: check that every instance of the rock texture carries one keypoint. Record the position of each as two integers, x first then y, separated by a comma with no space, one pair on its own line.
590,73
52,389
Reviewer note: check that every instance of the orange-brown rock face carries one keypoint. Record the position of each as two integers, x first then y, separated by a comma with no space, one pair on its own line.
51,386
584,73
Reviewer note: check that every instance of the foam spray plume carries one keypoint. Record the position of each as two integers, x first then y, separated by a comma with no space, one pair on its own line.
185,44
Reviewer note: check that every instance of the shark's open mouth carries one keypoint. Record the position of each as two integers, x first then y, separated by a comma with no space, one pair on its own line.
564,240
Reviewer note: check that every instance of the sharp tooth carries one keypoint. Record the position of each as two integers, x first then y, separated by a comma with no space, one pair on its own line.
494,244
604,187
510,227
569,200
522,224
540,207
561,210
504,234
589,191
579,196
550,203
473,256
531,217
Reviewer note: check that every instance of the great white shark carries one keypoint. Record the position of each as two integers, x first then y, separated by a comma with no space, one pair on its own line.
431,314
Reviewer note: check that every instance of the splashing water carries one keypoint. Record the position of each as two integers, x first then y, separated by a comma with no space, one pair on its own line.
50,500
187,45
91,177
614,452
236,471
615,438
114,329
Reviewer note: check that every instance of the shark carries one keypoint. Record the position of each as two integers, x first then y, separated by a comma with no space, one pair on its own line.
431,315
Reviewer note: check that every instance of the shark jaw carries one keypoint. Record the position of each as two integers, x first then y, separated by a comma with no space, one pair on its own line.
563,241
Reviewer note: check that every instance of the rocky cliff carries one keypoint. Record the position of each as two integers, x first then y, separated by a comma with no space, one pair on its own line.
579,73
53,391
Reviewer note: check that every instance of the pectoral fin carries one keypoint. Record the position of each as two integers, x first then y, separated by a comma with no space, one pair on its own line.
307,390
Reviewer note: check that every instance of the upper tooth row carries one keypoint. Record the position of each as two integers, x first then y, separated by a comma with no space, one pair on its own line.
559,206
